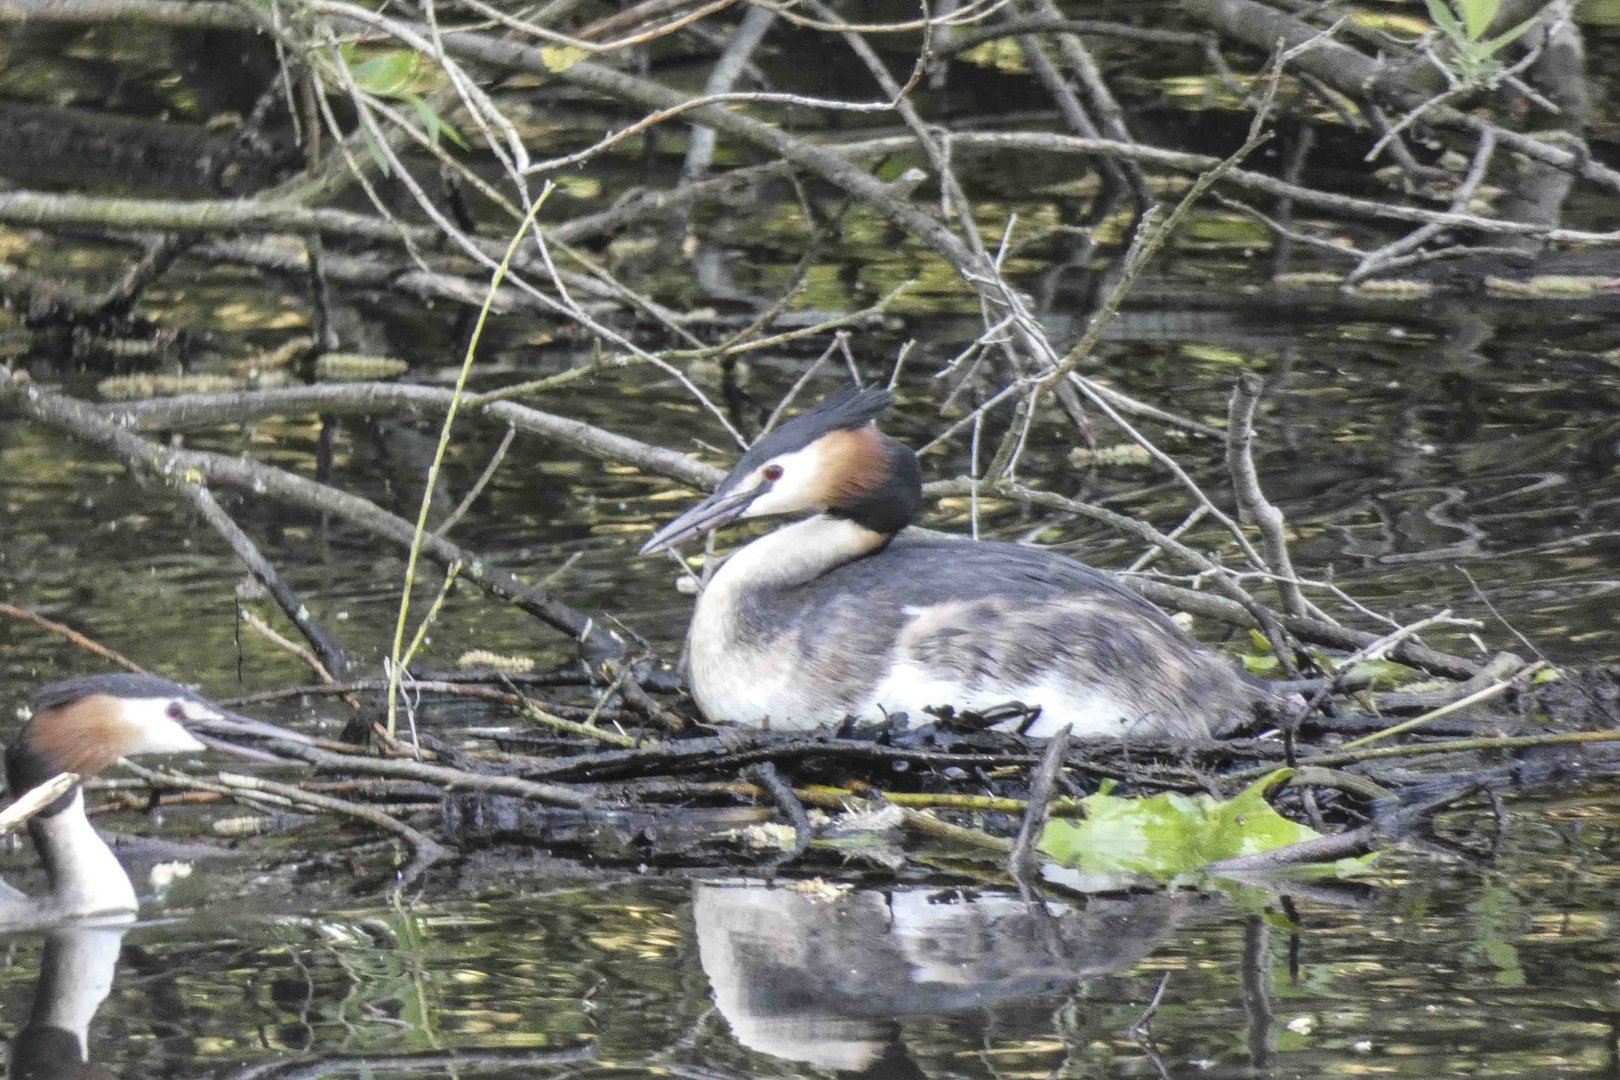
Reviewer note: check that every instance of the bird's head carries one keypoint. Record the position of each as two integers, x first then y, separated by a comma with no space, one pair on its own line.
831,459
84,725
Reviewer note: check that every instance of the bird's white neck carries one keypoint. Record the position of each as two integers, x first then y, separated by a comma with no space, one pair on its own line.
797,553
86,878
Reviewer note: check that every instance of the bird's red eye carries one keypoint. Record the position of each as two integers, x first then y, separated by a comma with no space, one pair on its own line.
773,473
176,711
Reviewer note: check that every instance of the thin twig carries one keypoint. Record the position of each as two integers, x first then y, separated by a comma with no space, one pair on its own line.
431,485
1494,690
1253,506
478,486
35,800
284,643
1024,861
765,775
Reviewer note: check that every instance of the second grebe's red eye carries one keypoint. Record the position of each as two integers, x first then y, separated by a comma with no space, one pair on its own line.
773,473
176,711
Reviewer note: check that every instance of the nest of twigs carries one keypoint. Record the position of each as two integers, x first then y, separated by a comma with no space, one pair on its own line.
917,799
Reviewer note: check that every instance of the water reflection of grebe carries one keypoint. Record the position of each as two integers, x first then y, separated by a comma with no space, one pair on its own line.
75,976
819,975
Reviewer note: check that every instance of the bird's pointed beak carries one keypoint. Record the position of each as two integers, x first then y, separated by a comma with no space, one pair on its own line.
239,735
718,510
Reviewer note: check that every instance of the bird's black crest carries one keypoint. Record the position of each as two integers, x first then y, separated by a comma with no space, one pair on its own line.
847,409
120,685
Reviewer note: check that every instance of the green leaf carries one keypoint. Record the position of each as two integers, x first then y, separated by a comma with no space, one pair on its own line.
427,115
1509,37
1477,16
1383,674
433,124
376,150
559,58
386,74
1446,21
1169,835
1260,665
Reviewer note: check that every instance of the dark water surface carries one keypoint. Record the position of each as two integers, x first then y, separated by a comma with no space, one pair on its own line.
1407,443
1509,971
1399,466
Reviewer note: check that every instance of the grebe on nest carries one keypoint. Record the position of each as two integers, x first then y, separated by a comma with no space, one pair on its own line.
850,613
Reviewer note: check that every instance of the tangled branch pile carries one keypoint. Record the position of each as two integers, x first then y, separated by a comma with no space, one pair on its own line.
392,156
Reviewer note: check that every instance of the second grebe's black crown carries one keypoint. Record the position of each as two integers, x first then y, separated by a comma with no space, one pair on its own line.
117,685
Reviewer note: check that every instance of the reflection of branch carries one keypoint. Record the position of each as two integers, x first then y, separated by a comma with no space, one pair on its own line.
722,77
440,1062
195,466
1109,117
95,648
399,399
331,654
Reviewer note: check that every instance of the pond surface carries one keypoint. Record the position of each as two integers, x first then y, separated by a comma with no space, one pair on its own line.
1508,970
1407,442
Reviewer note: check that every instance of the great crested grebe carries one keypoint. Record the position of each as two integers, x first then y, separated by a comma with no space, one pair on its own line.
848,613
82,726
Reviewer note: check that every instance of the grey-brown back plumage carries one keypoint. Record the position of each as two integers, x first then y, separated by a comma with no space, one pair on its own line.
985,614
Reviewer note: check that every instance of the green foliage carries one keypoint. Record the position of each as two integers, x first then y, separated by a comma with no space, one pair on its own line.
1498,926
559,58
1381,674
386,74
399,75
1169,835
375,149
433,124
1473,60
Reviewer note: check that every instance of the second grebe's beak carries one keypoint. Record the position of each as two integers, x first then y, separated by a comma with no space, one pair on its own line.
238,734
717,511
